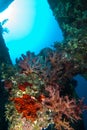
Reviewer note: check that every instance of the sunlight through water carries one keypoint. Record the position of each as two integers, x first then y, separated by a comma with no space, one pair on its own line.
31,26
20,15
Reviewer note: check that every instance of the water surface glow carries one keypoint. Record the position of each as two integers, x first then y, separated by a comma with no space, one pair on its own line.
21,16
31,25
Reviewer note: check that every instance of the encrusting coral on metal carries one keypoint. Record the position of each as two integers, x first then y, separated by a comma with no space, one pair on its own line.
41,92
41,87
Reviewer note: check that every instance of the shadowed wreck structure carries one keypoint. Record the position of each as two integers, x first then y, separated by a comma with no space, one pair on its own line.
4,52
39,91
4,4
4,59
72,18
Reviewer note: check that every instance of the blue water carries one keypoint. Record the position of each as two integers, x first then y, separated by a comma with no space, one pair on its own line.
45,31
81,90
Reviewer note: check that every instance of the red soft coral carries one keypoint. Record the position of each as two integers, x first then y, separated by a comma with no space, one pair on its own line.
23,86
28,106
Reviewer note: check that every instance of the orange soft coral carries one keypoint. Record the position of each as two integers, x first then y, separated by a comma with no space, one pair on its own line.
28,106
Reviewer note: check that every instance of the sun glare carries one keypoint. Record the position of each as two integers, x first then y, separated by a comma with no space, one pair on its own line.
20,15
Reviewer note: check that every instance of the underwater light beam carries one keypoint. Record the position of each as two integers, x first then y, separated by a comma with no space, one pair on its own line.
31,25
21,17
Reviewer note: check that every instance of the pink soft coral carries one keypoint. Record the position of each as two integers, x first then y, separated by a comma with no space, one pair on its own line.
64,110
29,63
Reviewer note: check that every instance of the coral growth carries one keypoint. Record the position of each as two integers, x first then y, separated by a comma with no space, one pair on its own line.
28,106
24,85
63,109
41,87
29,62
38,97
